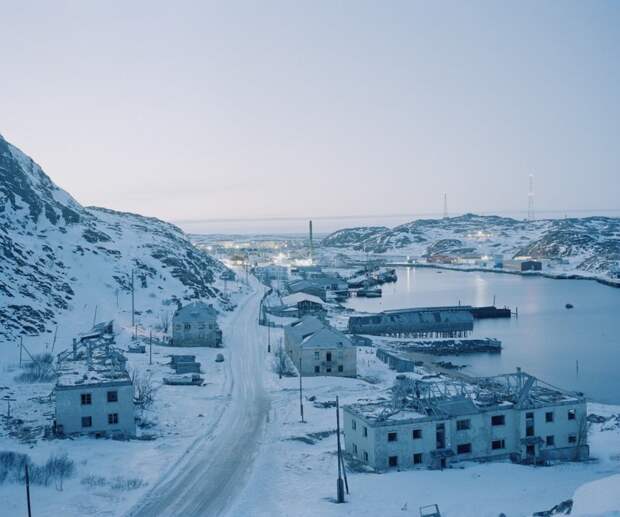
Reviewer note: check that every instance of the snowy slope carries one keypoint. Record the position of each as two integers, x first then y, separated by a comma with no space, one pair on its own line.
61,261
589,244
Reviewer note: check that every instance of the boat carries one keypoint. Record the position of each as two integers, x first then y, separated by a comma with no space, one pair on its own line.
569,306
369,292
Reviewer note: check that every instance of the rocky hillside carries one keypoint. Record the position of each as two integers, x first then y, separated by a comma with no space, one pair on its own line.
62,261
589,244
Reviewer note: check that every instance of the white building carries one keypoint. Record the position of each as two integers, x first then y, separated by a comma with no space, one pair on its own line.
94,393
322,349
195,324
513,416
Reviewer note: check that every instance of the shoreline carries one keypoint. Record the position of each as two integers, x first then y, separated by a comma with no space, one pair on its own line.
553,276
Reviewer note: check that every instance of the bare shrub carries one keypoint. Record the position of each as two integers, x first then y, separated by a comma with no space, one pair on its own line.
57,468
40,369
144,391
120,483
93,481
283,365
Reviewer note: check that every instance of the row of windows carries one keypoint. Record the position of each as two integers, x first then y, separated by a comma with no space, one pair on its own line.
200,326
87,421
86,399
417,459
328,369
328,356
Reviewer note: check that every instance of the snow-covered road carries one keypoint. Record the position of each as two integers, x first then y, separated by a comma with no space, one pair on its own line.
210,474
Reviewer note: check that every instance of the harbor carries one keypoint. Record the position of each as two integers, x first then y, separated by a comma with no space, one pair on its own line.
579,347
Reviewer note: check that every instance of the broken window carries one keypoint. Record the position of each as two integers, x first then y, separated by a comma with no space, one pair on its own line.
340,368
462,425
86,399
392,437
113,418
393,461
328,356
498,444
417,434
549,416
417,458
463,448
317,369
112,396
572,438
550,441
498,420
87,421
572,414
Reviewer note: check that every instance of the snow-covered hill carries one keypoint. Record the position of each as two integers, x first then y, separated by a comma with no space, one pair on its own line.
61,261
588,245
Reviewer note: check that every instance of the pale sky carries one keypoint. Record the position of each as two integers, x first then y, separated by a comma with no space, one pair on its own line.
220,110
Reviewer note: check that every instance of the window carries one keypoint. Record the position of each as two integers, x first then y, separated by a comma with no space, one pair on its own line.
353,424
417,434
201,326
87,421
113,418
498,444
328,370
392,437
550,441
340,368
549,416
393,461
328,356
417,458
317,356
572,414
187,326
365,455
365,431
112,396
317,369
86,399
498,420
572,438
463,448
462,425
355,449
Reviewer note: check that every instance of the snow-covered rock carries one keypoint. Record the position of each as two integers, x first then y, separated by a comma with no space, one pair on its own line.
58,257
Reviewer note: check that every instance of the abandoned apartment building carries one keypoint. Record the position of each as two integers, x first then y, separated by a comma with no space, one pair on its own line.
322,349
94,393
195,324
433,424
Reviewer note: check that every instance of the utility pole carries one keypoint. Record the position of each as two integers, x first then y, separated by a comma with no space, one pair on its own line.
95,316
28,490
150,346
268,337
54,342
301,402
340,482
21,346
133,320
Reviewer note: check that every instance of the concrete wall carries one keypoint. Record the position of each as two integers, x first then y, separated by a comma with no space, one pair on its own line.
344,356
69,409
480,435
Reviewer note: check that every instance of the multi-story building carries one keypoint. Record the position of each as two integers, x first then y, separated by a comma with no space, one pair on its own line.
195,324
318,349
94,393
432,425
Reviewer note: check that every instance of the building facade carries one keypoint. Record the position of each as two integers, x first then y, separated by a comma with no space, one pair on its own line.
317,349
536,424
196,325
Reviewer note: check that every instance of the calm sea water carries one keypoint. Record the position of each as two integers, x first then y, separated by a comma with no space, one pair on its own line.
547,340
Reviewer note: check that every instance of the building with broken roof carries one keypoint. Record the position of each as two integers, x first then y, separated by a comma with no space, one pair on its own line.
434,424
419,322
196,324
315,348
94,393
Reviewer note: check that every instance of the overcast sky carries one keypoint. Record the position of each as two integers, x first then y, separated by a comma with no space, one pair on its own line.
198,110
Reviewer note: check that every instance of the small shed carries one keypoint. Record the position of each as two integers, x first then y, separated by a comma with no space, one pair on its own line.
196,325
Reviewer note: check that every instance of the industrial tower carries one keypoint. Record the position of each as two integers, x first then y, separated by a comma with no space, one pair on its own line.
311,244
530,200
445,206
